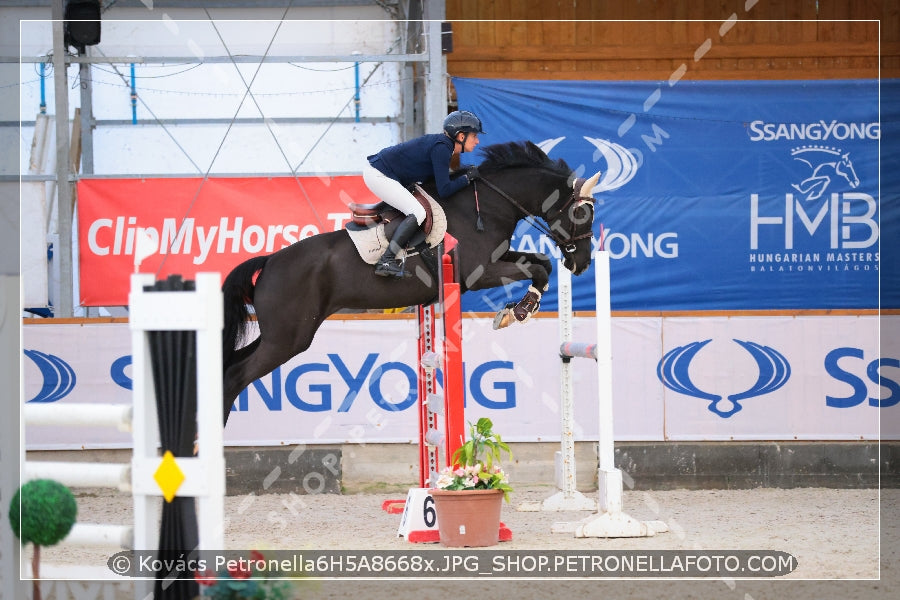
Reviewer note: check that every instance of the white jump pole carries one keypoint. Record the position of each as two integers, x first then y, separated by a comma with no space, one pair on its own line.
81,474
568,498
610,521
610,478
75,413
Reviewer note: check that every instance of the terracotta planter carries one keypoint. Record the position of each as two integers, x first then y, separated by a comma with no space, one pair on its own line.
468,518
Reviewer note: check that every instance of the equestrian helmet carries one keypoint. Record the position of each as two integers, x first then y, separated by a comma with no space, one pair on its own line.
462,120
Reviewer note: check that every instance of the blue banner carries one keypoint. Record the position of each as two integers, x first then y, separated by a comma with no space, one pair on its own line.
718,195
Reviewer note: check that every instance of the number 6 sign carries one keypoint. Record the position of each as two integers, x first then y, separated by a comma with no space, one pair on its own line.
419,520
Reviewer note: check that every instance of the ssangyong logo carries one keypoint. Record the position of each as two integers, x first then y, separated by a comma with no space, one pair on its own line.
774,372
819,131
59,378
621,164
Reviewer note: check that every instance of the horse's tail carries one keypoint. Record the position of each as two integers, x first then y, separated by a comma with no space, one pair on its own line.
238,289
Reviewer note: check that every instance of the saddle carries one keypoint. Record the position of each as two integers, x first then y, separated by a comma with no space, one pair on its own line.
370,215
371,227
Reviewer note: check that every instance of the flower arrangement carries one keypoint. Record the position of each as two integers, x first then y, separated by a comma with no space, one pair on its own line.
244,581
476,460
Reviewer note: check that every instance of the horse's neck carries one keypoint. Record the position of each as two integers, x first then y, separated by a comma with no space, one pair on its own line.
528,191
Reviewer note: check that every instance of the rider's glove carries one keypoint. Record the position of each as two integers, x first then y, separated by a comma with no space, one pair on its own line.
472,174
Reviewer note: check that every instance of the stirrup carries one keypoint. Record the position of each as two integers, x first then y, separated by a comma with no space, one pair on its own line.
390,268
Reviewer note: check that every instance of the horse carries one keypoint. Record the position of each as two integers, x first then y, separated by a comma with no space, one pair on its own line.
296,288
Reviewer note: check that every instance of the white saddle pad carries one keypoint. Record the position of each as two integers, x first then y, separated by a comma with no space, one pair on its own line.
371,243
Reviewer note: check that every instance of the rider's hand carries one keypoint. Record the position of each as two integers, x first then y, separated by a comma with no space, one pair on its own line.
472,173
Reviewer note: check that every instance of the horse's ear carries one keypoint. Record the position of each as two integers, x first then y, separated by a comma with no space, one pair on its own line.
589,185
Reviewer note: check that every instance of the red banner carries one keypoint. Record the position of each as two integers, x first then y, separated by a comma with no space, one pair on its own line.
200,226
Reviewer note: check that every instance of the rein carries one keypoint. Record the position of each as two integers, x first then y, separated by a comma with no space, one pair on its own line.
566,245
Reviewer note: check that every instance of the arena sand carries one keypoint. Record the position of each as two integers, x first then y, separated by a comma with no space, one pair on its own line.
843,540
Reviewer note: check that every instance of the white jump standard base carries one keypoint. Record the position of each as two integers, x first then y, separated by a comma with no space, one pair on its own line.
616,525
610,521
567,498
560,502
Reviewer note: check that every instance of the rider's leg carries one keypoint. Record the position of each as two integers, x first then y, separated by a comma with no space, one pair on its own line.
392,192
389,265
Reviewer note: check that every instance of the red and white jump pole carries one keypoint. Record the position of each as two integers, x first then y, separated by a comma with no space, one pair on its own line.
442,424
441,415
434,434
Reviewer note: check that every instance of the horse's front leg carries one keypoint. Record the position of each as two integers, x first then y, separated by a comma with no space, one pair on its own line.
511,267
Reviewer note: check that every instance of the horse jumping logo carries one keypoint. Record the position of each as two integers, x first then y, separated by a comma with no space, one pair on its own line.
825,163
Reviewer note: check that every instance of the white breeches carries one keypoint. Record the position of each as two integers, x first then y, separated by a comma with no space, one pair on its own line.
392,191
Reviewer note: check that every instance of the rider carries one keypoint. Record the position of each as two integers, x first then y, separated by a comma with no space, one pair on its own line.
390,171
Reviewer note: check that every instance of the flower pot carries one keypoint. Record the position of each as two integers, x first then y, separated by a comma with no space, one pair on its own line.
468,517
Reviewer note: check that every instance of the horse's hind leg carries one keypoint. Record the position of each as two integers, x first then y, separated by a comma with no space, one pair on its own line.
264,359
291,300
243,372
271,352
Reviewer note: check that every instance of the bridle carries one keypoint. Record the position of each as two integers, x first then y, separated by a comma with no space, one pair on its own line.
566,240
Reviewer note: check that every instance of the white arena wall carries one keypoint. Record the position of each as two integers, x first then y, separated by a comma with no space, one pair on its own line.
356,383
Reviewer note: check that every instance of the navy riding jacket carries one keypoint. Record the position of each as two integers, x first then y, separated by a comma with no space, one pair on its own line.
420,159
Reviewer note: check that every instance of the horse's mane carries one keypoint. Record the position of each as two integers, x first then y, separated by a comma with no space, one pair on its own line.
519,154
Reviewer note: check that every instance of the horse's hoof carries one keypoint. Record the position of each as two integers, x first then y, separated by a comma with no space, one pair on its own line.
503,318
526,307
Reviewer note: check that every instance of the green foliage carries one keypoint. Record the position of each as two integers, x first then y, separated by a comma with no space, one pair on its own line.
48,511
479,460
482,441
254,588
246,583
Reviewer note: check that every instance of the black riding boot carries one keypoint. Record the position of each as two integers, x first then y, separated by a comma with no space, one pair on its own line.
389,265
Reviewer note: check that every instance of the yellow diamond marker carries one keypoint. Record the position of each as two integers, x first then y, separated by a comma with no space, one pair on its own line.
168,476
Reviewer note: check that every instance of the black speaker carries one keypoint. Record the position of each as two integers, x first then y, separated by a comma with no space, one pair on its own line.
82,23
446,37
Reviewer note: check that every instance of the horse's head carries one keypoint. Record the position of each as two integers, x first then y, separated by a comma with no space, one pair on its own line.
845,169
571,225
542,187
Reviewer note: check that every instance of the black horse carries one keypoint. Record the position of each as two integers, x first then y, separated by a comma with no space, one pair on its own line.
298,287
